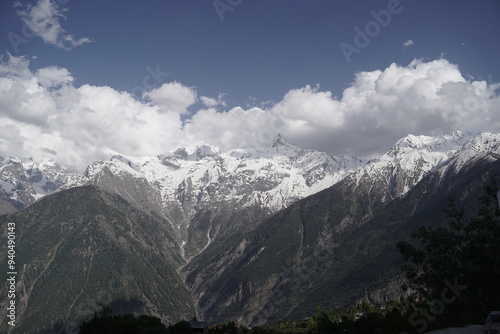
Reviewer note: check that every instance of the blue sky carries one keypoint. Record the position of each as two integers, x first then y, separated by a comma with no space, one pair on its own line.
253,52
261,48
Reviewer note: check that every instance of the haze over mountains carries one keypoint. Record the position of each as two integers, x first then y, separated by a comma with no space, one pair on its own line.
252,235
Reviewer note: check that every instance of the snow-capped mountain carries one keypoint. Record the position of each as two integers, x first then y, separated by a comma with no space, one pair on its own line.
273,177
411,158
483,146
203,190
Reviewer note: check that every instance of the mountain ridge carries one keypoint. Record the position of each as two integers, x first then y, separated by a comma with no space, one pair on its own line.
46,177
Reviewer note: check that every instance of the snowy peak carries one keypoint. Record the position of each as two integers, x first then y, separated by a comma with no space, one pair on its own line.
125,161
118,166
282,147
195,152
280,141
485,145
23,181
259,173
432,150
7,160
202,151
413,157
485,141
431,143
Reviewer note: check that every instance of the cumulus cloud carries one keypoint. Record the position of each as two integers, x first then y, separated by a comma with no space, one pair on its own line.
236,128
408,43
44,115
43,19
377,108
53,76
173,96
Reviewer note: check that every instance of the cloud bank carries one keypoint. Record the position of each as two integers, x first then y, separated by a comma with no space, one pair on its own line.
42,114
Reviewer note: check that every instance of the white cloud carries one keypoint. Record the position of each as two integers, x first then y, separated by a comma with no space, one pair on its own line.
173,96
53,76
22,97
307,108
44,115
236,128
210,102
378,108
408,43
43,19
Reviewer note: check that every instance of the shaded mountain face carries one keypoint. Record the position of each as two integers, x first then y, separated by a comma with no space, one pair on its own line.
247,235
82,248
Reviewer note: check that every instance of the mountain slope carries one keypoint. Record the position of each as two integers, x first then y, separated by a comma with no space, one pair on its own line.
83,247
336,246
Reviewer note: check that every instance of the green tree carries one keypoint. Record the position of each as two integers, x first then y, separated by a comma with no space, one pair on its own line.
458,265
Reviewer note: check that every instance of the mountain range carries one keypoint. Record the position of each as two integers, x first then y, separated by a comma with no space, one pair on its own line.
198,189
251,235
